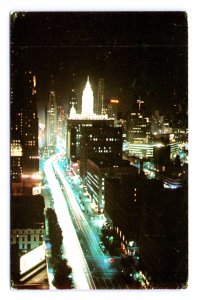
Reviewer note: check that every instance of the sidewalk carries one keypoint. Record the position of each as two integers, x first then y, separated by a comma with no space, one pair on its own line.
50,270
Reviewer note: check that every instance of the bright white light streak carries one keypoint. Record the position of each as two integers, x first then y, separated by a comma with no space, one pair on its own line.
75,207
81,273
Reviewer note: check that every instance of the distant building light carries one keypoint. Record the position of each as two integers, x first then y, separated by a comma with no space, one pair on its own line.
36,176
131,243
159,145
114,101
88,117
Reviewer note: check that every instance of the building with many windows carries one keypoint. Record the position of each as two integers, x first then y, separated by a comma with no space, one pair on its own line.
51,128
24,128
106,166
27,222
153,149
100,109
98,141
123,212
138,128
16,160
61,123
76,127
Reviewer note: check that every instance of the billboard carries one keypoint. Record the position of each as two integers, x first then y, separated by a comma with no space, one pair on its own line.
36,190
32,259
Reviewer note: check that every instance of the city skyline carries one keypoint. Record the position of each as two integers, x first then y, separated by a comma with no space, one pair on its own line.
107,174
138,54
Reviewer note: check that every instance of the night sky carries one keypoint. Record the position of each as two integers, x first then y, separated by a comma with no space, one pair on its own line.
138,54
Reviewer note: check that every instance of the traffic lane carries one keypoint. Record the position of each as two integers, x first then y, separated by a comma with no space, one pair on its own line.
101,266
82,275
90,238
86,237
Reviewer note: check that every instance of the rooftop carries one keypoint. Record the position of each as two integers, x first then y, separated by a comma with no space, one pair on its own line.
27,211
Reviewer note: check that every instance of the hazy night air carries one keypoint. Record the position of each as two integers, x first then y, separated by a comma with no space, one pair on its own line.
99,150
138,54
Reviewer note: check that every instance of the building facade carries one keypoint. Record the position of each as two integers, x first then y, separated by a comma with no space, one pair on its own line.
100,168
51,130
98,141
122,206
75,127
24,126
138,128
100,109
27,222
163,242
61,124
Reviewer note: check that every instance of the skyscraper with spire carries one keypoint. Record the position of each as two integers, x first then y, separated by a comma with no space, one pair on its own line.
73,97
51,123
100,103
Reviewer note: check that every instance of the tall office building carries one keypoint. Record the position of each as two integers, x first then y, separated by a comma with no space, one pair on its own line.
113,106
73,97
138,126
76,128
100,109
24,126
104,165
51,129
124,212
79,126
99,140
61,123
76,122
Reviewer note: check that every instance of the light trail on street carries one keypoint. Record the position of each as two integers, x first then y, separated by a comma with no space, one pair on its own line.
97,260
79,216
81,274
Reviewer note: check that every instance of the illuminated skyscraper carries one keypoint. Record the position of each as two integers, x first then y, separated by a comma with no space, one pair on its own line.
73,99
24,126
138,125
87,100
51,129
61,122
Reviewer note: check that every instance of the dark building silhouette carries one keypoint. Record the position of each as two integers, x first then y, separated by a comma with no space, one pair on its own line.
100,105
122,205
27,229
102,167
24,126
24,119
74,134
27,221
161,155
163,238
99,141
144,213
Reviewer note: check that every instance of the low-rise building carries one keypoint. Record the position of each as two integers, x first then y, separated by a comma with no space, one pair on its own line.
27,222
